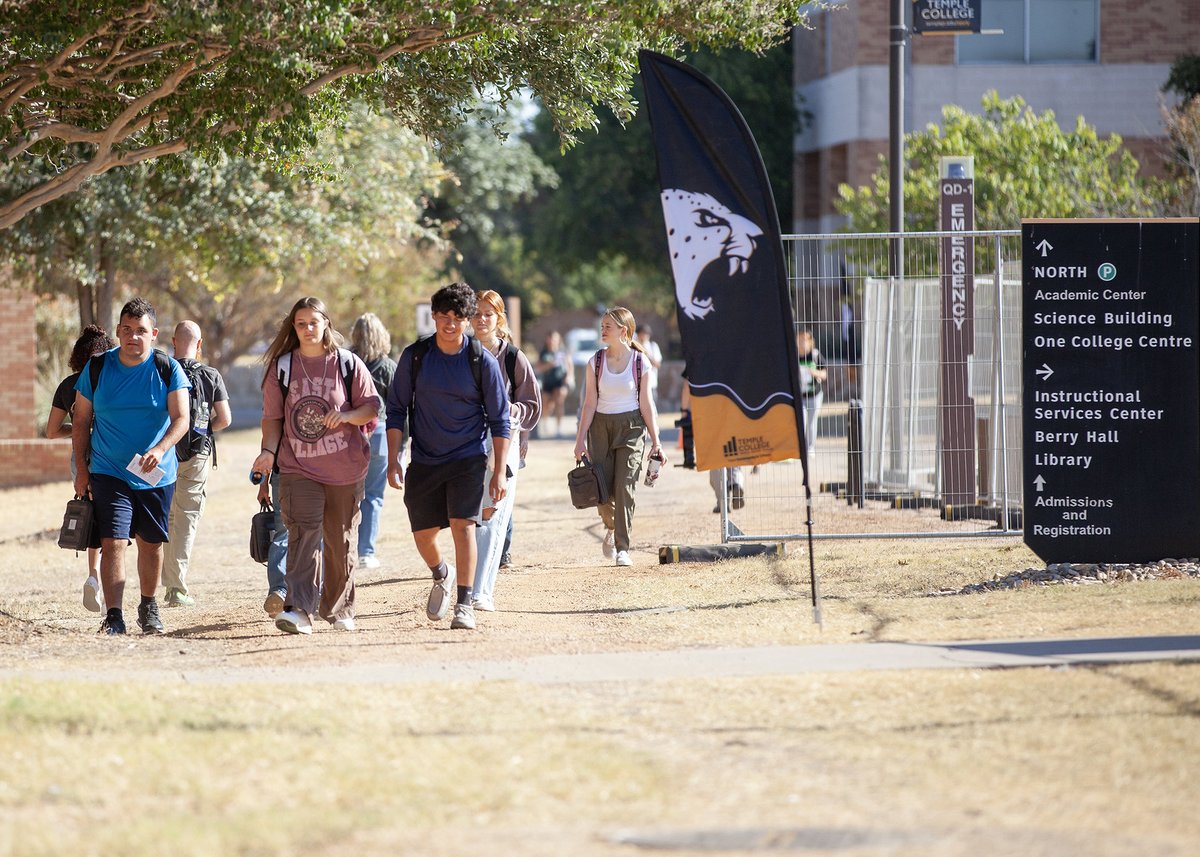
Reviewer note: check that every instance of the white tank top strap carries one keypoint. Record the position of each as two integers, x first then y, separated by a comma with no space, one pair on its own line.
617,392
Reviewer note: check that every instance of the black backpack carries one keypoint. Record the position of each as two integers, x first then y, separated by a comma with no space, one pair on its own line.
421,347
196,442
193,442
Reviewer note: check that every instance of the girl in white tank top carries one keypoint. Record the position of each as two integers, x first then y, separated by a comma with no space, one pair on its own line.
618,391
615,418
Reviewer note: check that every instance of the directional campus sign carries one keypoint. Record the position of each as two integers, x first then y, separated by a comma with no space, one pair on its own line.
1111,389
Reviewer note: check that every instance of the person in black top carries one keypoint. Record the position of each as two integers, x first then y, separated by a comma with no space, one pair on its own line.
370,340
93,340
813,375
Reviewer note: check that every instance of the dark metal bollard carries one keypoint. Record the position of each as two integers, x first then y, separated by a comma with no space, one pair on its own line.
854,454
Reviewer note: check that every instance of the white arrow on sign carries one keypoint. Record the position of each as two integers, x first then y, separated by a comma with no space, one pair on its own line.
1045,246
1040,482
1045,372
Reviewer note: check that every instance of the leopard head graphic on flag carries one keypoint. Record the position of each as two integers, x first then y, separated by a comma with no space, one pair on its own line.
700,231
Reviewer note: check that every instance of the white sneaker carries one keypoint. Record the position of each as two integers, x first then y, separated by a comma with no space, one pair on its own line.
368,561
484,603
346,623
439,598
609,547
92,599
464,617
293,620
624,559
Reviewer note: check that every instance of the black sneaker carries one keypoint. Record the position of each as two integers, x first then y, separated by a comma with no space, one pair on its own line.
114,622
148,619
505,560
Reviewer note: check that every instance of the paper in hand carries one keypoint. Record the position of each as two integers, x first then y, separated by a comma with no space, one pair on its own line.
153,477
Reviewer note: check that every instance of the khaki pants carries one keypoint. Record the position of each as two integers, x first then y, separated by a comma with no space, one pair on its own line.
615,444
321,581
186,508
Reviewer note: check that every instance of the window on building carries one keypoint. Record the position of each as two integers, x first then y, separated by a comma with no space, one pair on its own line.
1035,31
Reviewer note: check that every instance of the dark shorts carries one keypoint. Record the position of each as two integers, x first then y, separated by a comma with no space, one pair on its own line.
435,493
122,512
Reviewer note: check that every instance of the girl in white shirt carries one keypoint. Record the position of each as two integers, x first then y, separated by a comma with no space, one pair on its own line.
617,414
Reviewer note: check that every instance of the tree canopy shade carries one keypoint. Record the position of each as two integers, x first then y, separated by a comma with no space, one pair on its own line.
1025,166
89,86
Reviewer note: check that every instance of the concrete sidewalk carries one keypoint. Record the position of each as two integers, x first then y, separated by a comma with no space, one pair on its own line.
689,663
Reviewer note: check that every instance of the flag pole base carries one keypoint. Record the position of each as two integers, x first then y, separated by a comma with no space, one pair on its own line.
712,553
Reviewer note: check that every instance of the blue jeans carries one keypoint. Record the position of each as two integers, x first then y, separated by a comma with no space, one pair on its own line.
376,484
277,556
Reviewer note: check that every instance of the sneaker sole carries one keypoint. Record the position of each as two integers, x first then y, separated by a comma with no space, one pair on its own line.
150,630
439,613
90,601
458,625
273,605
291,627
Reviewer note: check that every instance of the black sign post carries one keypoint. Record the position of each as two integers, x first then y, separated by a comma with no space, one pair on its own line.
1111,375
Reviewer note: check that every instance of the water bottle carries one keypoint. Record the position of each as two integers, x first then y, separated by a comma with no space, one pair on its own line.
653,466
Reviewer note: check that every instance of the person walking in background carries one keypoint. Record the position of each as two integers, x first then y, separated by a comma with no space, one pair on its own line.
554,368
208,406
653,355
316,399
812,378
370,340
448,392
617,413
130,411
735,480
268,492
525,408
92,341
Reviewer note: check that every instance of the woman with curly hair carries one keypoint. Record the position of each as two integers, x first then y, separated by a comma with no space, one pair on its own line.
92,341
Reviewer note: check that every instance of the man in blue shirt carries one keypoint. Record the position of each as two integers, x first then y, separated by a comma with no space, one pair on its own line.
126,426
459,396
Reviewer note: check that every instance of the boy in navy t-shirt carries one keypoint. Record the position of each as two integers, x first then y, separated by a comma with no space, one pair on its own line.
448,414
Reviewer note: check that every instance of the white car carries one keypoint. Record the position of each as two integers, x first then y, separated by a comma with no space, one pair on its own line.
582,343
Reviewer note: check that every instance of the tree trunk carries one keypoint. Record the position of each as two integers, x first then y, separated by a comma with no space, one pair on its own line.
108,288
85,295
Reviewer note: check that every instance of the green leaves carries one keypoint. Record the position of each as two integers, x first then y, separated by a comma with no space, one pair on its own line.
1025,166
260,78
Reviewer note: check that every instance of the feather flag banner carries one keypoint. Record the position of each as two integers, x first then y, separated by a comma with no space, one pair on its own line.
731,287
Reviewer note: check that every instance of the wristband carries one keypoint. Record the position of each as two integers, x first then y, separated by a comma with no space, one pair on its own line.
264,449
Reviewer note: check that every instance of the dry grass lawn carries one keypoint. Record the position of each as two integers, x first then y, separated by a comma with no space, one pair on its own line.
127,746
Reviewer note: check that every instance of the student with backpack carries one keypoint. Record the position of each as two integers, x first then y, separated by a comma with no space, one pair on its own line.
131,410
208,413
318,404
617,413
448,393
370,340
525,408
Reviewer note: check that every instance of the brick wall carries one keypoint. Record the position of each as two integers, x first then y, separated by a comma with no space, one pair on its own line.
1148,31
18,365
808,50
34,461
